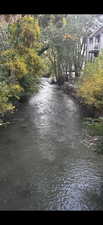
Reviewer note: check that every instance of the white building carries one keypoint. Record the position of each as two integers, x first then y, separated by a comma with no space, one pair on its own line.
94,44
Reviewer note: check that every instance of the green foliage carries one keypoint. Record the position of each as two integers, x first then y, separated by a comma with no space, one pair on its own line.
94,133
25,32
4,96
96,129
30,84
6,92
20,65
33,61
90,86
94,126
66,37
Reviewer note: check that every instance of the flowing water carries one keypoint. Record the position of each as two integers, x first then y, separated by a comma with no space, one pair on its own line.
43,163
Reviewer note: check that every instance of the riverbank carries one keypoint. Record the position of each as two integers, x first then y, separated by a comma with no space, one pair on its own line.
86,109
44,163
6,118
92,120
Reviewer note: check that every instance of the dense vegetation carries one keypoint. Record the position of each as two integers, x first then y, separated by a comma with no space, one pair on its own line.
20,64
91,83
65,38
52,45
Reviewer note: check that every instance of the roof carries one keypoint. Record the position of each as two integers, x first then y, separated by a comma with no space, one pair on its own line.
96,32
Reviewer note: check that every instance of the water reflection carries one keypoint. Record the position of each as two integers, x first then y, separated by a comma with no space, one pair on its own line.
43,164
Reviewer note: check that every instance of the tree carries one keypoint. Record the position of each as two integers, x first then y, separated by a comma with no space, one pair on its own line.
20,64
78,26
53,37
67,40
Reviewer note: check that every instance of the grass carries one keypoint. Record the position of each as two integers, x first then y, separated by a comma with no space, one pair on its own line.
95,129
94,126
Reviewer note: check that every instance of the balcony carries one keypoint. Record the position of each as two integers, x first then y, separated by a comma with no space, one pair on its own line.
97,47
95,50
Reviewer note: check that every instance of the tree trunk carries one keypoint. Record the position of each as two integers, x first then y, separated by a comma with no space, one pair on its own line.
70,70
9,72
60,77
77,71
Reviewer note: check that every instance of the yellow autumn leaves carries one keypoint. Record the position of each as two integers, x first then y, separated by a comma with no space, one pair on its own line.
8,91
69,36
91,83
20,64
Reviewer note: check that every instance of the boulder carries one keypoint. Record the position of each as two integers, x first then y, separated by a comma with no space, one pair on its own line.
52,80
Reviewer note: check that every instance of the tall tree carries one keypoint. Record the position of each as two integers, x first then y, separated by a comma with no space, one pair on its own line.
20,65
67,39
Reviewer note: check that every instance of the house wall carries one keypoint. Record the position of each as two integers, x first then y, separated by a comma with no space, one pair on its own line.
101,41
92,43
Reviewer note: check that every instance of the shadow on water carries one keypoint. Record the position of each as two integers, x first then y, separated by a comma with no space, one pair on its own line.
43,163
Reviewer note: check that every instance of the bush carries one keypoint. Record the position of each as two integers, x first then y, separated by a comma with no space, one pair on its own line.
20,65
90,85
7,91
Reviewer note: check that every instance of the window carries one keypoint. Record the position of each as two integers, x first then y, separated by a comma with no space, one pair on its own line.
90,40
98,38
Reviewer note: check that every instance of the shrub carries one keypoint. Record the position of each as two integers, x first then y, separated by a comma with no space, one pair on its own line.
90,85
7,91
20,65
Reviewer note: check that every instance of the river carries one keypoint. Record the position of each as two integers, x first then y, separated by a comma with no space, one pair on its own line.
43,163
